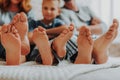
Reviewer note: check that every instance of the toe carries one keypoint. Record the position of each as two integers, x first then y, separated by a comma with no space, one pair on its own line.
4,29
35,30
71,28
23,17
65,31
41,28
109,35
16,18
9,28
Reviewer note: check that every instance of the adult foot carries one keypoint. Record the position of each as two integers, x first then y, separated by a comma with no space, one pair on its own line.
59,43
85,46
10,40
102,44
40,38
21,24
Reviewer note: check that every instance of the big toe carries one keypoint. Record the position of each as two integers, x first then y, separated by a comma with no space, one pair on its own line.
35,30
115,25
116,22
88,33
82,30
23,17
71,28
16,18
41,28
4,29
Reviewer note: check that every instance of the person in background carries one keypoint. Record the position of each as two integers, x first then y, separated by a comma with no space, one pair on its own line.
14,40
53,27
9,8
83,46
80,16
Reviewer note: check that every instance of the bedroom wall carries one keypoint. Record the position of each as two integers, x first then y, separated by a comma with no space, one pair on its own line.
36,4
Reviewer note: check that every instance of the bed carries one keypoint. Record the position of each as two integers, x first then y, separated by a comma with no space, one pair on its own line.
64,71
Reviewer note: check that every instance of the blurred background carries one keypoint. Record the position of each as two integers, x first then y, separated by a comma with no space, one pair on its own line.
104,9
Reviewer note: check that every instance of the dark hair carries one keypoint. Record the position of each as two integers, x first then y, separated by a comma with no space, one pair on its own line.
67,0
24,5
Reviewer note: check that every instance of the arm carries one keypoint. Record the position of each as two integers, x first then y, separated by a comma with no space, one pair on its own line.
65,16
53,32
56,30
97,26
96,29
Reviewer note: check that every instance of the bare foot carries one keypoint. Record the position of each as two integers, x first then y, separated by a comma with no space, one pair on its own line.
102,44
40,38
10,39
85,46
21,24
59,43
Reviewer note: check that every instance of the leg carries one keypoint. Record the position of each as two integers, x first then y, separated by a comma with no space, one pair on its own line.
10,40
85,46
59,43
40,38
102,44
21,24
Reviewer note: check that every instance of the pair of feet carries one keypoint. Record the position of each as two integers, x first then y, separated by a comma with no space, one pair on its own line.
15,40
88,49
41,40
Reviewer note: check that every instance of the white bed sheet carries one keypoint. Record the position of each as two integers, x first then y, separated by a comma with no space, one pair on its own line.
64,71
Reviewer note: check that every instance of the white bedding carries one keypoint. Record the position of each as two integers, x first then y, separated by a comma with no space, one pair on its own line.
64,71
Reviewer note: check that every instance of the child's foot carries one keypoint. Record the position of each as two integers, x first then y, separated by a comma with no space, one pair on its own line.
102,44
85,46
10,40
40,38
21,24
59,43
